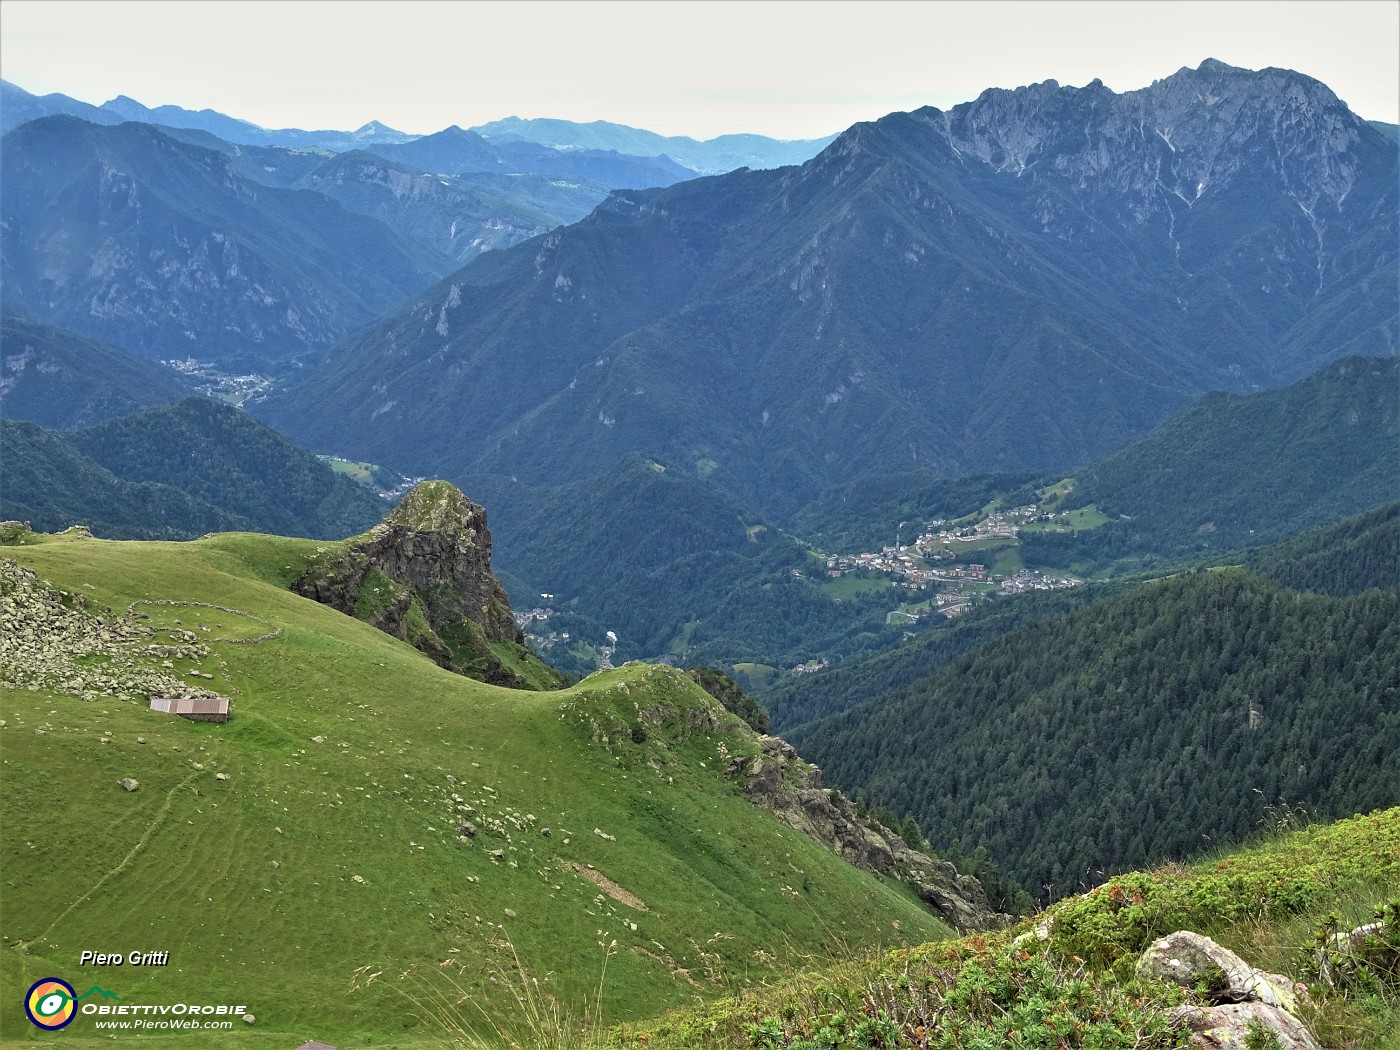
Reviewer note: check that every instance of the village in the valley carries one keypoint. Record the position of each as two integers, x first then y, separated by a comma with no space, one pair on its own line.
934,562
934,570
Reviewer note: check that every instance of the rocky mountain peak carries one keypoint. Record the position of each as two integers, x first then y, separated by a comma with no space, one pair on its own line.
128,107
423,574
439,506
374,128
1189,133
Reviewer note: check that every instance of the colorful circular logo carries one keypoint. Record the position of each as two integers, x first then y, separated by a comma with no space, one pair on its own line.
50,1003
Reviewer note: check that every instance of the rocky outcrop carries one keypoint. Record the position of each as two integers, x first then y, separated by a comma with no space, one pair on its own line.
1239,1026
1242,1003
778,780
424,575
1193,961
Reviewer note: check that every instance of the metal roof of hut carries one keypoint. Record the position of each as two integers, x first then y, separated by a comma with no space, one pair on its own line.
197,708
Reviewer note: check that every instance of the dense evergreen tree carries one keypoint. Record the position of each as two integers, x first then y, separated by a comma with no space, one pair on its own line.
1139,728
798,699
1345,558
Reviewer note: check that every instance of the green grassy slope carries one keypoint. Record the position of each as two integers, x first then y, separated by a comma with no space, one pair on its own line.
252,883
1077,988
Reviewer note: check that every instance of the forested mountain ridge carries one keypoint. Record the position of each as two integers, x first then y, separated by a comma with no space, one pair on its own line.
59,379
176,472
48,483
1025,281
1124,732
1233,471
1347,557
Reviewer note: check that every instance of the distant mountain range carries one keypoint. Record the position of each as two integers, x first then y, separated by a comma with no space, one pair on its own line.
193,259
453,151
127,235
599,138
724,153
1023,282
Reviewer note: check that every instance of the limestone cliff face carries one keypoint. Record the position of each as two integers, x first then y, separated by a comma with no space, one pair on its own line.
1181,139
423,574
780,781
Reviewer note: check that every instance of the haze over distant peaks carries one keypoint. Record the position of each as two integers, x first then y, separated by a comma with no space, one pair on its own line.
689,156
723,153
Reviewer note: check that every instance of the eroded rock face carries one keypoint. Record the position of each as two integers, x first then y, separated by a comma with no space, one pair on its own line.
782,783
431,556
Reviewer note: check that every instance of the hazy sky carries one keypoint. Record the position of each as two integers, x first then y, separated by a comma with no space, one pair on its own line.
792,69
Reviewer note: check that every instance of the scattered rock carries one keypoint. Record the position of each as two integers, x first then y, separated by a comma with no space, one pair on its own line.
468,829
199,765
604,835
220,776
545,832
1041,932
498,854
140,739
510,914
1193,961
249,1019
1235,1026
276,864
318,740
1344,952
129,784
